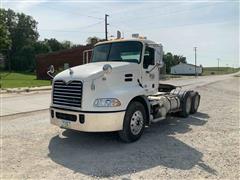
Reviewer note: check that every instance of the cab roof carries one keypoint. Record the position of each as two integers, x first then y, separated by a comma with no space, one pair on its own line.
144,41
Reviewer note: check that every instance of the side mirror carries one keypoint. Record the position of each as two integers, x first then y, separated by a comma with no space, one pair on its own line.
159,55
51,71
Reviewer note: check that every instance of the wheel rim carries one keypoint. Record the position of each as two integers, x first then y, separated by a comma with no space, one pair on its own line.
136,123
188,105
196,103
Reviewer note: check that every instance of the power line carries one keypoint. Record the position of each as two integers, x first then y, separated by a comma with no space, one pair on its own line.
186,10
165,14
136,9
90,25
71,12
73,31
187,24
70,30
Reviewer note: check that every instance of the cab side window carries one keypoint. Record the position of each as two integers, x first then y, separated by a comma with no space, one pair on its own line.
148,57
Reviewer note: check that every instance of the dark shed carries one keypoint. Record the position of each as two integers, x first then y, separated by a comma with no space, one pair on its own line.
62,59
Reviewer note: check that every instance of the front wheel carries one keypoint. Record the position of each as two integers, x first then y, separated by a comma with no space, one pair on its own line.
134,122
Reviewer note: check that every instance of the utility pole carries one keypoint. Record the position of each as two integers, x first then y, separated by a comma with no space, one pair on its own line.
195,50
218,59
106,24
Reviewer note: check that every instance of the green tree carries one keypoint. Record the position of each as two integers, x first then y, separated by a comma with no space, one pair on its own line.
171,60
22,33
168,60
93,40
41,47
18,34
5,44
26,56
54,44
67,44
5,41
179,59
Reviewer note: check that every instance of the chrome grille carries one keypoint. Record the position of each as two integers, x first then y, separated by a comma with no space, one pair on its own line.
67,94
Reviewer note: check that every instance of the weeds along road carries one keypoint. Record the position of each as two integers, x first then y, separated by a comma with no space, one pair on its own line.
205,145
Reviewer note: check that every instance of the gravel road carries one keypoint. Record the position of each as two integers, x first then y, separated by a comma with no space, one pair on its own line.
205,145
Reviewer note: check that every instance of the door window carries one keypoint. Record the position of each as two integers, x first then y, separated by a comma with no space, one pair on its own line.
148,57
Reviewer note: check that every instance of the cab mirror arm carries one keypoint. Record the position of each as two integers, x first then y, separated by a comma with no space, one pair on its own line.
156,65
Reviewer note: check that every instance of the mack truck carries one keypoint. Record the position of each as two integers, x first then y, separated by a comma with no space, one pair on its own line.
118,90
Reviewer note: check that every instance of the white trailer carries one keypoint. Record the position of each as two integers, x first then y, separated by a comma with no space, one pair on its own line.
118,91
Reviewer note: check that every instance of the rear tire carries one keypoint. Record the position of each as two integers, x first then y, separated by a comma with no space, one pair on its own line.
186,104
195,103
134,122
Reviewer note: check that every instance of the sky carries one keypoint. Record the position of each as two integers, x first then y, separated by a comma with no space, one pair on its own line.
211,26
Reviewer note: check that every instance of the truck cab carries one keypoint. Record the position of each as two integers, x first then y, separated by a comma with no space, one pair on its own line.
117,91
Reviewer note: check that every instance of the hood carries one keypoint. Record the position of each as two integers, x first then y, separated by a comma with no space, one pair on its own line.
92,70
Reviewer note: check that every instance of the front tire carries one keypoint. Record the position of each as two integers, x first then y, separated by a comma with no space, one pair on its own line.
134,122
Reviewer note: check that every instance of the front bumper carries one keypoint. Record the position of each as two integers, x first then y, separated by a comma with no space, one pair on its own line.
93,121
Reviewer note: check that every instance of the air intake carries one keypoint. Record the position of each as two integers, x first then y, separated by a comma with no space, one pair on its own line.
67,94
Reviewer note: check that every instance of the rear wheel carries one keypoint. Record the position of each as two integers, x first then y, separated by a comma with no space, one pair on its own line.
134,122
186,104
195,103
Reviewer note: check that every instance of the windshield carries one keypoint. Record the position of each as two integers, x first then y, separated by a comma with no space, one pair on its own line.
118,51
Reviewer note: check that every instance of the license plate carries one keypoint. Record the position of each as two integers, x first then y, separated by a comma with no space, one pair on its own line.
65,124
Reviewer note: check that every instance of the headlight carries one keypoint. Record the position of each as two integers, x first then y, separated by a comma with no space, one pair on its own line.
107,102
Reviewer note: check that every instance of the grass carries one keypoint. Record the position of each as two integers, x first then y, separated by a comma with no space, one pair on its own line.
221,70
20,79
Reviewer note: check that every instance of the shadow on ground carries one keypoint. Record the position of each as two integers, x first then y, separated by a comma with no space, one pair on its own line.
102,155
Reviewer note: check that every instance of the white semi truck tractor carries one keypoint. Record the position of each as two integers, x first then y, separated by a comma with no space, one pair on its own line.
118,91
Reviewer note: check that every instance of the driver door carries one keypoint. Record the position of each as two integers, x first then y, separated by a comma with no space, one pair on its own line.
150,74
